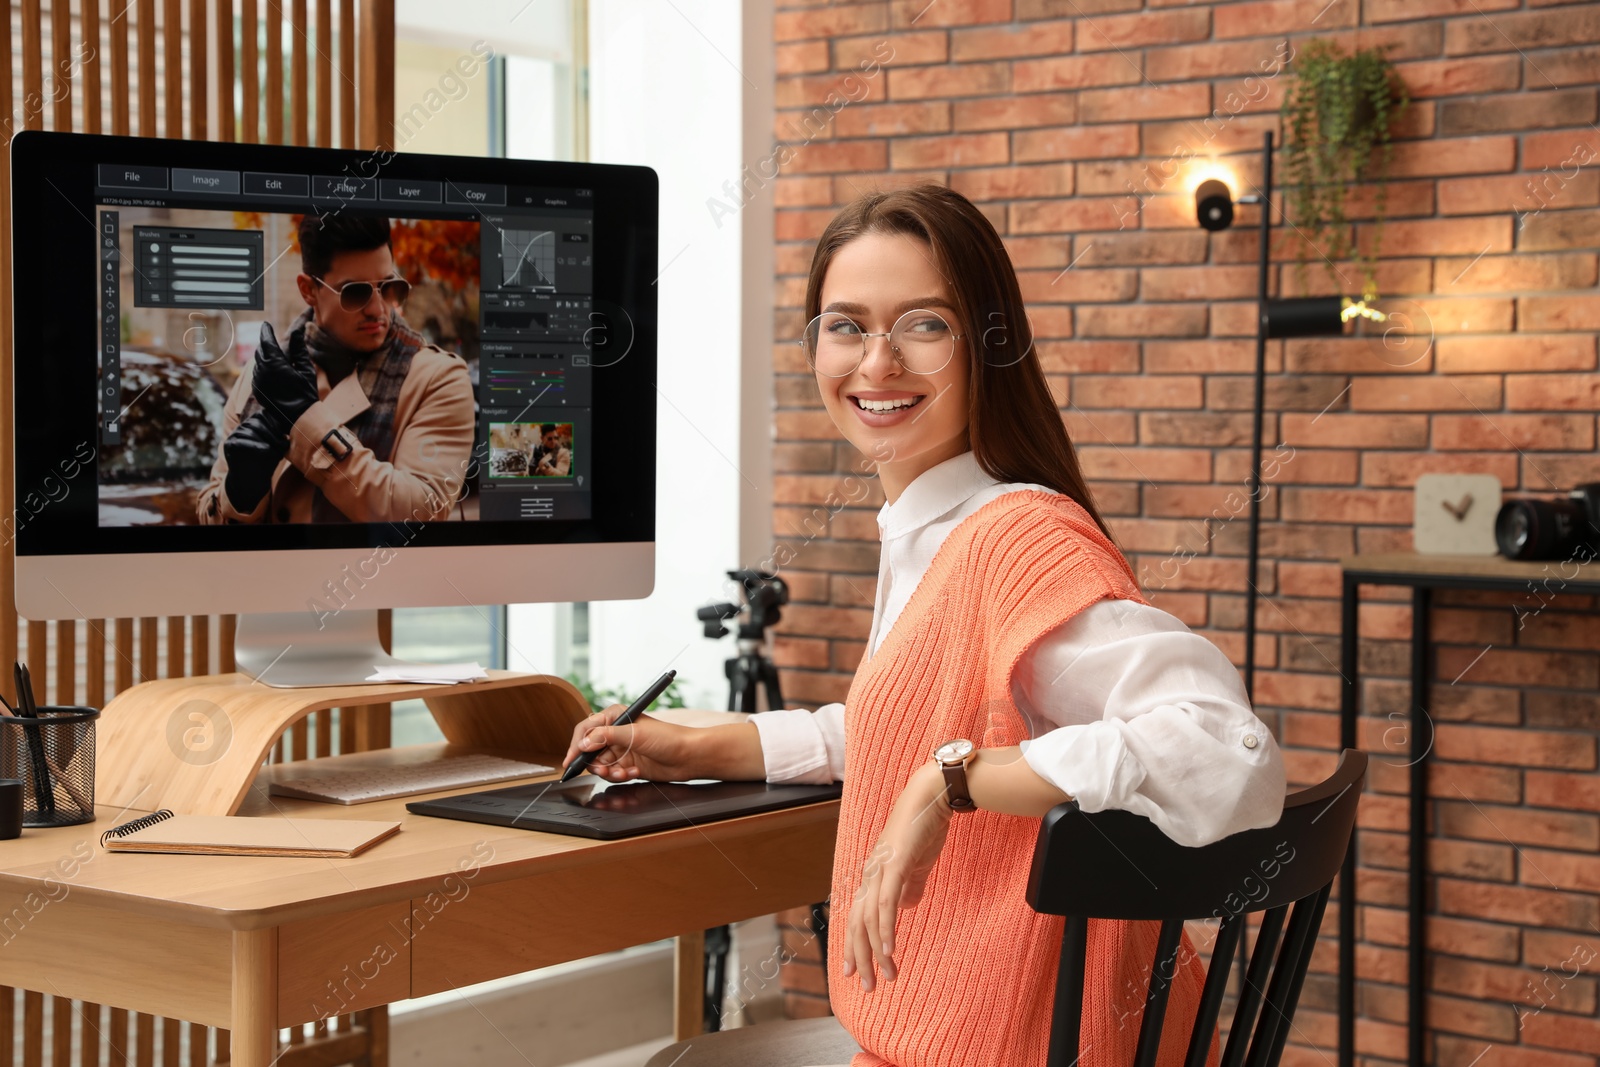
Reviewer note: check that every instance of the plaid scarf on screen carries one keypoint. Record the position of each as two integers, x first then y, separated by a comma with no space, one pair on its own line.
381,375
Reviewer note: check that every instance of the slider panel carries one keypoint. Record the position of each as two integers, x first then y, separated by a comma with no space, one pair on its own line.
198,267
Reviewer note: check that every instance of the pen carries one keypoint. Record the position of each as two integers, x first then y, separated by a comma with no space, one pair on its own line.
578,765
41,772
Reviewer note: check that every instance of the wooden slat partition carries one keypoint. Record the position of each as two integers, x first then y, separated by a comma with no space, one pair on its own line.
172,72
377,76
60,1030
145,29
117,1037
348,134
91,52
90,1034
60,63
225,71
324,73
250,74
297,88
120,86
94,650
274,81
32,1029
170,68
169,1043
32,62
198,62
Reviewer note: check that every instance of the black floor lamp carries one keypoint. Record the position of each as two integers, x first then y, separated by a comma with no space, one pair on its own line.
1314,316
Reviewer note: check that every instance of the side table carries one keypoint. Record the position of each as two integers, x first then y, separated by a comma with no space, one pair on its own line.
1423,574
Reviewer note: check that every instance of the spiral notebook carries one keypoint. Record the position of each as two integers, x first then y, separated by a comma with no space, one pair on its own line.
234,835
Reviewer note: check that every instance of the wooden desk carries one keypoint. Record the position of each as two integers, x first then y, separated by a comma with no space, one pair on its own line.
251,944
1539,581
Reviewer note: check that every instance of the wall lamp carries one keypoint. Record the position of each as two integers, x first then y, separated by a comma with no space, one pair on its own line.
1213,205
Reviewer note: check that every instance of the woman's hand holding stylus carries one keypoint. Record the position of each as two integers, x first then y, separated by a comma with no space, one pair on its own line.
664,751
895,873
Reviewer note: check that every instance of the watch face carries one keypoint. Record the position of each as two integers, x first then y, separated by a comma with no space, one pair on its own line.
953,751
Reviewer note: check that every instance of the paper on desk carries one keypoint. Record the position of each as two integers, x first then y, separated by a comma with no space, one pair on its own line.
428,673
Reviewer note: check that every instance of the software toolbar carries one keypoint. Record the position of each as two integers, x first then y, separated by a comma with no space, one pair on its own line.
120,180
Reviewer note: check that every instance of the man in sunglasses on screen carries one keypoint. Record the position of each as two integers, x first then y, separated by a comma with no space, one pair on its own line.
351,416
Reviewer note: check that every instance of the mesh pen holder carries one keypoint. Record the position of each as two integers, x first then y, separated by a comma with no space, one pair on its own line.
53,755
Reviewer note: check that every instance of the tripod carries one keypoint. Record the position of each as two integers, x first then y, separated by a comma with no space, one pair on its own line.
751,669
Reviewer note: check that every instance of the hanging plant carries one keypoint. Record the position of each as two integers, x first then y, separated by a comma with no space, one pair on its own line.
1337,117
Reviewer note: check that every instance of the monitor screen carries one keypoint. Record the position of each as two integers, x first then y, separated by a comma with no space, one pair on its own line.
303,350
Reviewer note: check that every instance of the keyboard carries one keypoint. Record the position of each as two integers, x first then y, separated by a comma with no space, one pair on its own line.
362,785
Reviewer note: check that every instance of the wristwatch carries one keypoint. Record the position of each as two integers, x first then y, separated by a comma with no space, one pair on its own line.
952,758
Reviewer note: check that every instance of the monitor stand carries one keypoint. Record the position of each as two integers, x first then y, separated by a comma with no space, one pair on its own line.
297,649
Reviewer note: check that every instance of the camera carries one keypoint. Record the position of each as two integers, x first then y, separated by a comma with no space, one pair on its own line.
764,593
1563,528
750,670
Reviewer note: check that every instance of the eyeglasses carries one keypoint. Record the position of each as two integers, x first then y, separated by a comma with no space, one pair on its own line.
353,296
921,340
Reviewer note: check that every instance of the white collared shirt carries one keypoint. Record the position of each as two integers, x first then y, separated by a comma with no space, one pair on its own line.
1128,707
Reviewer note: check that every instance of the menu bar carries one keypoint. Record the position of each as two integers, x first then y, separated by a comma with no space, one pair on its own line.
339,188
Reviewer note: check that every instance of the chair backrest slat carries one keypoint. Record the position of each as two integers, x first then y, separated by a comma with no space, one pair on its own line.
1255,980
1228,933
1276,1016
1163,969
1069,993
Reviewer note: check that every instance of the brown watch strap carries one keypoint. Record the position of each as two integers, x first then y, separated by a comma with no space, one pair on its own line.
955,780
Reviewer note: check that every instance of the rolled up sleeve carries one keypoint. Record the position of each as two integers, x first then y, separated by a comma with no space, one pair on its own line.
803,747
1152,718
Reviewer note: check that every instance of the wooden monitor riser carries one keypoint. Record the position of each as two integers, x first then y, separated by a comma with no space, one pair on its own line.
195,745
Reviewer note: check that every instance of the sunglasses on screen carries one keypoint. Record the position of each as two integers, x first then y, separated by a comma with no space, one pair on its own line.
353,296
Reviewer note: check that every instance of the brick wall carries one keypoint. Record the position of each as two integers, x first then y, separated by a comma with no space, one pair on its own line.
1063,120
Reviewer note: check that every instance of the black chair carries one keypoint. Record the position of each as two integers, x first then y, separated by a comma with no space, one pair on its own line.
1140,873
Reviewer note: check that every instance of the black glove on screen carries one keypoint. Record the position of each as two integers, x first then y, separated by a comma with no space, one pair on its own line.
284,384
253,452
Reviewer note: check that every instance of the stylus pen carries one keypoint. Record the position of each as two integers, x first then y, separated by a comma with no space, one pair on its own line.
636,709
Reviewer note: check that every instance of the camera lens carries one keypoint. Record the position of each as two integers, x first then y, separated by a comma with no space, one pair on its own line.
1540,529
1512,530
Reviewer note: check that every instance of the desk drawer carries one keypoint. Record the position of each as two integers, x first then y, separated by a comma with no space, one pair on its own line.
343,963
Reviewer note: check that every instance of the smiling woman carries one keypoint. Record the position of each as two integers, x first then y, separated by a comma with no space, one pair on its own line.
1013,664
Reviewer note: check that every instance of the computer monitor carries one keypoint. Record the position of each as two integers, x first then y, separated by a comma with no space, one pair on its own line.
300,385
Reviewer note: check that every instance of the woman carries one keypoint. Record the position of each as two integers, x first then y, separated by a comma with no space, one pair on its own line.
1006,617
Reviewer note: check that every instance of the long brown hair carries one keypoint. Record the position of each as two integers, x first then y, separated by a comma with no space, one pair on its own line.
1012,421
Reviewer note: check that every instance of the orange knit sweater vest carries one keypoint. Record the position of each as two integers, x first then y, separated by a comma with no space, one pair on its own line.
976,965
